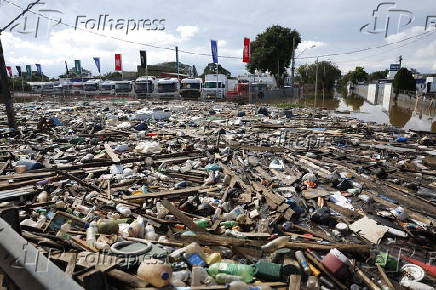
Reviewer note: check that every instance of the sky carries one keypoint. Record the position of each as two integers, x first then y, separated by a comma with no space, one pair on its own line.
326,27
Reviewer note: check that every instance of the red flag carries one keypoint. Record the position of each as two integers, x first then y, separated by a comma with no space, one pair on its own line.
118,62
246,55
9,68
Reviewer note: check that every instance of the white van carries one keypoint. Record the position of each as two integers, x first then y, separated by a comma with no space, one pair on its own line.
191,88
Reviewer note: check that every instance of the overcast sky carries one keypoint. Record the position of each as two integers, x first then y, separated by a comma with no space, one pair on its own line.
333,26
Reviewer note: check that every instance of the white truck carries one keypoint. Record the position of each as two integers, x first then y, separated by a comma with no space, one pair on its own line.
168,88
107,88
92,87
191,88
123,88
144,87
215,86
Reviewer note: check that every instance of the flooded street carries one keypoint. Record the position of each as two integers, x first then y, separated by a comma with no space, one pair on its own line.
406,112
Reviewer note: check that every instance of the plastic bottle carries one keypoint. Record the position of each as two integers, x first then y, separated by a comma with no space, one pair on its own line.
124,210
275,244
150,234
199,274
155,273
107,227
246,272
41,221
203,223
63,231
415,285
91,231
312,283
42,197
303,262
189,249
136,228
182,275
224,279
238,285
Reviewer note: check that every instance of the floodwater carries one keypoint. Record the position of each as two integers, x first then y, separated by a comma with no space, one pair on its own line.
405,112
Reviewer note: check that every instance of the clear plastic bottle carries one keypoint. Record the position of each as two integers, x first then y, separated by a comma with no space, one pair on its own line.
91,232
275,244
224,279
150,233
41,221
63,231
189,249
238,285
182,275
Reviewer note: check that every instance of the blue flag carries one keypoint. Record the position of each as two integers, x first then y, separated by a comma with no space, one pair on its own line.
97,63
214,46
39,69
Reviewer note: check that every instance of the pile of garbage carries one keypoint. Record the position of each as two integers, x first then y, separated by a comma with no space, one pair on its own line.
124,195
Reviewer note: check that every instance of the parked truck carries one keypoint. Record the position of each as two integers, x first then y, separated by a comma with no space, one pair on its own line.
191,88
215,86
168,88
92,87
107,88
145,87
123,88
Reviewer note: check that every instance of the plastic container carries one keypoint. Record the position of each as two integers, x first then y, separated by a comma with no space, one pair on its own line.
246,272
337,263
414,285
189,249
182,275
107,227
303,262
413,272
91,231
275,244
224,279
155,273
63,231
42,197
312,283
150,234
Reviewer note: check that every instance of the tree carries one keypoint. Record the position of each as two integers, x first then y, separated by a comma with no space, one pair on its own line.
113,75
272,51
73,74
356,76
328,74
378,75
194,72
404,80
211,69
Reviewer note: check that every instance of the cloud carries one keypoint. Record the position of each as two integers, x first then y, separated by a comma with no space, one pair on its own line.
187,32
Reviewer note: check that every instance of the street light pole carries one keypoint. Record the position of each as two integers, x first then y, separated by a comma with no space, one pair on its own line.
316,82
293,63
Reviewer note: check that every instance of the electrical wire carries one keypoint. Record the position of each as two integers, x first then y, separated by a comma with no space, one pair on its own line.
352,52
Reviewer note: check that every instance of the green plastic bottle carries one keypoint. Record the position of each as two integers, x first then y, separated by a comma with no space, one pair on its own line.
246,272
203,223
228,224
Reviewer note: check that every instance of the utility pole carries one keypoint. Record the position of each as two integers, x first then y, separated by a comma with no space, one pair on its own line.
293,63
4,85
177,63
316,82
400,59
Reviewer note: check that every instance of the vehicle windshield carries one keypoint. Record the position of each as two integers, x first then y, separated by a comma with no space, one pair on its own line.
91,87
123,86
167,88
212,85
107,87
143,86
193,86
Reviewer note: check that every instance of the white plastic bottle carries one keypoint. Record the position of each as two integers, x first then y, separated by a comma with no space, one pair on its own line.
91,233
63,231
150,233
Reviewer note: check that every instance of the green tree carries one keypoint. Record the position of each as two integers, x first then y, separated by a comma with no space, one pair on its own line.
356,76
404,80
378,75
18,84
272,51
211,69
113,75
328,74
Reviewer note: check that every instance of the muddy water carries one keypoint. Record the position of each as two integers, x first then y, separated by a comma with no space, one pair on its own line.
404,112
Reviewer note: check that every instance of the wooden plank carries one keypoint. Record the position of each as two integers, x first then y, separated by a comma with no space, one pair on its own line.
110,152
182,217
71,264
169,193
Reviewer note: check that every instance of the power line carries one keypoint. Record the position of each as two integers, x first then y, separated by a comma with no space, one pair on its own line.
20,15
356,51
